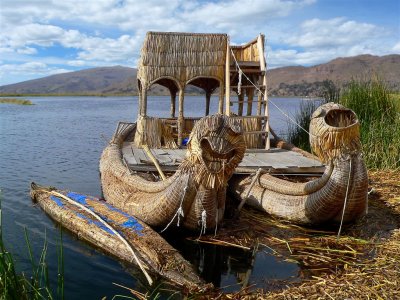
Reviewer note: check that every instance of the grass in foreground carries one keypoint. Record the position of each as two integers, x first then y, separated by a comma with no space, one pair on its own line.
16,101
36,285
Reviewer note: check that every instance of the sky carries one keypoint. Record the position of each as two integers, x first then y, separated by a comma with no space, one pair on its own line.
44,37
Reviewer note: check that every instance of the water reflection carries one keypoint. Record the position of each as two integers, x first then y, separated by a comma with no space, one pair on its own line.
234,268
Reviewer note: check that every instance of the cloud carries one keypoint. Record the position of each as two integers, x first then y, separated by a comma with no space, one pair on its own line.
8,72
317,33
89,47
396,48
27,50
80,34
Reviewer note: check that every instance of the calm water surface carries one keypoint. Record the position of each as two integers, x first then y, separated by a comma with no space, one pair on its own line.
58,142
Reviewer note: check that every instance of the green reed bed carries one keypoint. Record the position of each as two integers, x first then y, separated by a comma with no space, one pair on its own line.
379,116
33,284
16,101
379,113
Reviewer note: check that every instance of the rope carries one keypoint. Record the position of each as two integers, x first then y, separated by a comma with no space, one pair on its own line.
345,199
255,178
239,88
283,112
179,213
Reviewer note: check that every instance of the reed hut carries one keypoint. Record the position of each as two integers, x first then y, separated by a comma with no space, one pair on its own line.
207,61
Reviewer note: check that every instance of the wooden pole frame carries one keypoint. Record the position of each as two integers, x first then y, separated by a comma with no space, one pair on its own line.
180,116
228,79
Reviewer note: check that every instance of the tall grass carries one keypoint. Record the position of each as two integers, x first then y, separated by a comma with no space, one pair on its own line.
378,112
380,122
36,285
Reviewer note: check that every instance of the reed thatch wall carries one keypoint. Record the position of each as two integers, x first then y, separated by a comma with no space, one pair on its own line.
182,57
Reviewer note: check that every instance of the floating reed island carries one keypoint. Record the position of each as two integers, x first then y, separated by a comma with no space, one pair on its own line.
16,101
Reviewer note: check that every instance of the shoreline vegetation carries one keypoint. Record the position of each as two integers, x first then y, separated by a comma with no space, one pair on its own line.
378,111
364,261
16,101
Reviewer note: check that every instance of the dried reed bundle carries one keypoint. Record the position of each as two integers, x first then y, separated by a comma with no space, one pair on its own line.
168,140
148,132
182,56
334,132
251,124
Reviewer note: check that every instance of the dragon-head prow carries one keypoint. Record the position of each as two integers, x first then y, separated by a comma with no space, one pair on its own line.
215,148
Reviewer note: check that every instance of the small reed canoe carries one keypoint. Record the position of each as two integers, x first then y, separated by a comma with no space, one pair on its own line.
118,234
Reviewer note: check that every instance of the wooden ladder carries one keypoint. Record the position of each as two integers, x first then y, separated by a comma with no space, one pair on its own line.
251,61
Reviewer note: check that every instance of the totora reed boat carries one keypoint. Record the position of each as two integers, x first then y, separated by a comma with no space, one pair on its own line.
200,155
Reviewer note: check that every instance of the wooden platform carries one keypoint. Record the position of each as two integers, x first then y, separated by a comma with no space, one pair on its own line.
279,160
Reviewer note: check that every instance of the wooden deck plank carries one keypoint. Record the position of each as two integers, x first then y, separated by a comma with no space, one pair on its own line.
128,154
140,156
283,161
177,154
162,156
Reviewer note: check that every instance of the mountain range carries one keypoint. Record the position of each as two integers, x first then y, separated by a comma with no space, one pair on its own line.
285,81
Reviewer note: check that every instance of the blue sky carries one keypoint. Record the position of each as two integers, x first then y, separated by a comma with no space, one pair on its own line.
44,37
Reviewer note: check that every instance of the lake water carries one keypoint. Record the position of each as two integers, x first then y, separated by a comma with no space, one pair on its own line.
58,142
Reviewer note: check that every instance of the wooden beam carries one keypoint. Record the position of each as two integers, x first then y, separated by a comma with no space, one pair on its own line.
260,47
180,116
208,100
173,102
227,79
221,98
240,103
143,103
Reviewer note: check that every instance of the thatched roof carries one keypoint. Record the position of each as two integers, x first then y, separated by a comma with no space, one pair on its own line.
182,57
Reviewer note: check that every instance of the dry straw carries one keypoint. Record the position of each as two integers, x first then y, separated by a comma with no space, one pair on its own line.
182,56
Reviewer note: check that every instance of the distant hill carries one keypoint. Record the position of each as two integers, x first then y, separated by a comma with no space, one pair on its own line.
105,80
286,81
308,81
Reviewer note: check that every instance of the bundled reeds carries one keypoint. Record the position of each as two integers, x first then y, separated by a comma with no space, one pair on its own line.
249,125
148,132
182,57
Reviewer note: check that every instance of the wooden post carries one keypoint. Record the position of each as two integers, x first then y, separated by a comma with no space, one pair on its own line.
228,79
263,68
259,102
154,160
180,116
240,103
208,100
221,98
143,102
250,95
173,101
